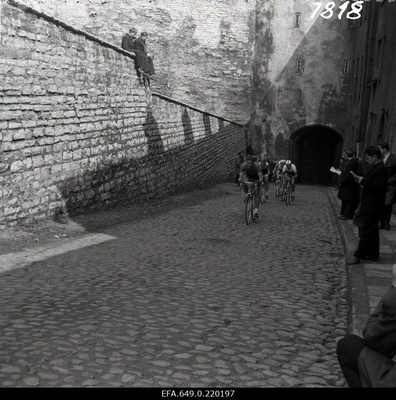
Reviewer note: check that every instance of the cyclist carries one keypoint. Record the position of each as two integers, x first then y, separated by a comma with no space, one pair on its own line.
251,172
278,169
290,170
265,171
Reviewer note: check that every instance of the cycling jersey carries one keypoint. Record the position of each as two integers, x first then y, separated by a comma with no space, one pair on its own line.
251,172
290,171
264,167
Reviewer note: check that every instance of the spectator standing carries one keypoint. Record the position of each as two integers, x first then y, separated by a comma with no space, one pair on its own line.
369,210
348,191
238,162
249,150
271,164
367,361
363,166
144,61
389,161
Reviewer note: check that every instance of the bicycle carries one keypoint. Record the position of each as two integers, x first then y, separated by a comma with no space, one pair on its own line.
249,202
262,194
287,190
278,186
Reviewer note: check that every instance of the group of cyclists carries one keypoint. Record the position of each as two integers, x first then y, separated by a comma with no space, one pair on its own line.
255,169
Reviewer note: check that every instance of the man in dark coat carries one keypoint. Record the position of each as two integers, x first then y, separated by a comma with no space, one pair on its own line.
348,191
128,40
389,161
367,361
144,61
369,210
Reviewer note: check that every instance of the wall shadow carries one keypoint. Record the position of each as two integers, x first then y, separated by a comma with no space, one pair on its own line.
206,122
187,128
158,175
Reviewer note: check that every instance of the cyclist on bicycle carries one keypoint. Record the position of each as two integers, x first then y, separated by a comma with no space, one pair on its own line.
265,171
251,172
278,169
290,170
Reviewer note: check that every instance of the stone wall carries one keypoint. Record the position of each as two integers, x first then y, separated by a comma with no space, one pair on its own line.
80,133
202,49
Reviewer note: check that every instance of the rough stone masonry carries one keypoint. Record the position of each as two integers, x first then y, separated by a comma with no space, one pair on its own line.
79,133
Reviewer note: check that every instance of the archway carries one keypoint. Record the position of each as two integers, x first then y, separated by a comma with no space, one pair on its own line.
315,149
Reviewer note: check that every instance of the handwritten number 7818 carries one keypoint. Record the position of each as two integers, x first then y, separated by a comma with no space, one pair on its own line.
356,8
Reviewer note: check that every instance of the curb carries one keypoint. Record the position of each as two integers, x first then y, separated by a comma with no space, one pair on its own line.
358,297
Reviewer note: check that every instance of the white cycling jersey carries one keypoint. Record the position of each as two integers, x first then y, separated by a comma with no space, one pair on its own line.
291,170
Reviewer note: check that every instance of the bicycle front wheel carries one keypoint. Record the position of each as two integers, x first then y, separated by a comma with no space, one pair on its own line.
248,209
262,196
288,196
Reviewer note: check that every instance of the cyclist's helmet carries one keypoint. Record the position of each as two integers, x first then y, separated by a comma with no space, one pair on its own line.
282,161
288,162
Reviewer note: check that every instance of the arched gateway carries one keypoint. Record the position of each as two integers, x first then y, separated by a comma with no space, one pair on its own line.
315,149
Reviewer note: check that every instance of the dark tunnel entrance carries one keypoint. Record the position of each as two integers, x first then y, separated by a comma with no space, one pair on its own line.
315,149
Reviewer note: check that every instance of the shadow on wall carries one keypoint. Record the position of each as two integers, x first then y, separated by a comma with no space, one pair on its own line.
159,173
206,122
187,128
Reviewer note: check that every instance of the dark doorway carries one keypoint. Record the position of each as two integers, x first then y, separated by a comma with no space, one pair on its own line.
315,149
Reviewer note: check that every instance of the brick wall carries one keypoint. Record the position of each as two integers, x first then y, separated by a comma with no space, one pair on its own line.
203,49
79,132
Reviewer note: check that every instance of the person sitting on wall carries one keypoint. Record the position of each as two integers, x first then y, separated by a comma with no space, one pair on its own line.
128,40
127,44
144,61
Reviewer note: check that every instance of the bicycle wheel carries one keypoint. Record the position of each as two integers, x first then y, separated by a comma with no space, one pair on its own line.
262,195
288,196
248,208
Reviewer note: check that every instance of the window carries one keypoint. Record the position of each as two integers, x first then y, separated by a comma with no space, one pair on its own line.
346,66
356,76
381,129
297,20
299,65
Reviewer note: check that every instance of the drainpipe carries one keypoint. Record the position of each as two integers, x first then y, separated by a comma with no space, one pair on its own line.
368,72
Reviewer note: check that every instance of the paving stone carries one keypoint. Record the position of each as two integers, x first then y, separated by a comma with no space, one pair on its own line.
182,298
32,381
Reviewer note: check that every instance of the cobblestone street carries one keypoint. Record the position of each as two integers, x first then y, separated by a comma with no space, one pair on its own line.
191,297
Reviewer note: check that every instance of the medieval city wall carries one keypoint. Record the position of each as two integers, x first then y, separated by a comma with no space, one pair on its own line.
202,49
79,133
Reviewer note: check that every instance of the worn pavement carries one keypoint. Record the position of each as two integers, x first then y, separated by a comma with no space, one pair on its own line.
179,293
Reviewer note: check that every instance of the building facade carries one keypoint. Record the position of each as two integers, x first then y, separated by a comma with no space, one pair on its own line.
373,85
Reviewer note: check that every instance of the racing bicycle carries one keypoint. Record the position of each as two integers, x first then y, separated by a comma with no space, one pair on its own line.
249,201
287,190
278,186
